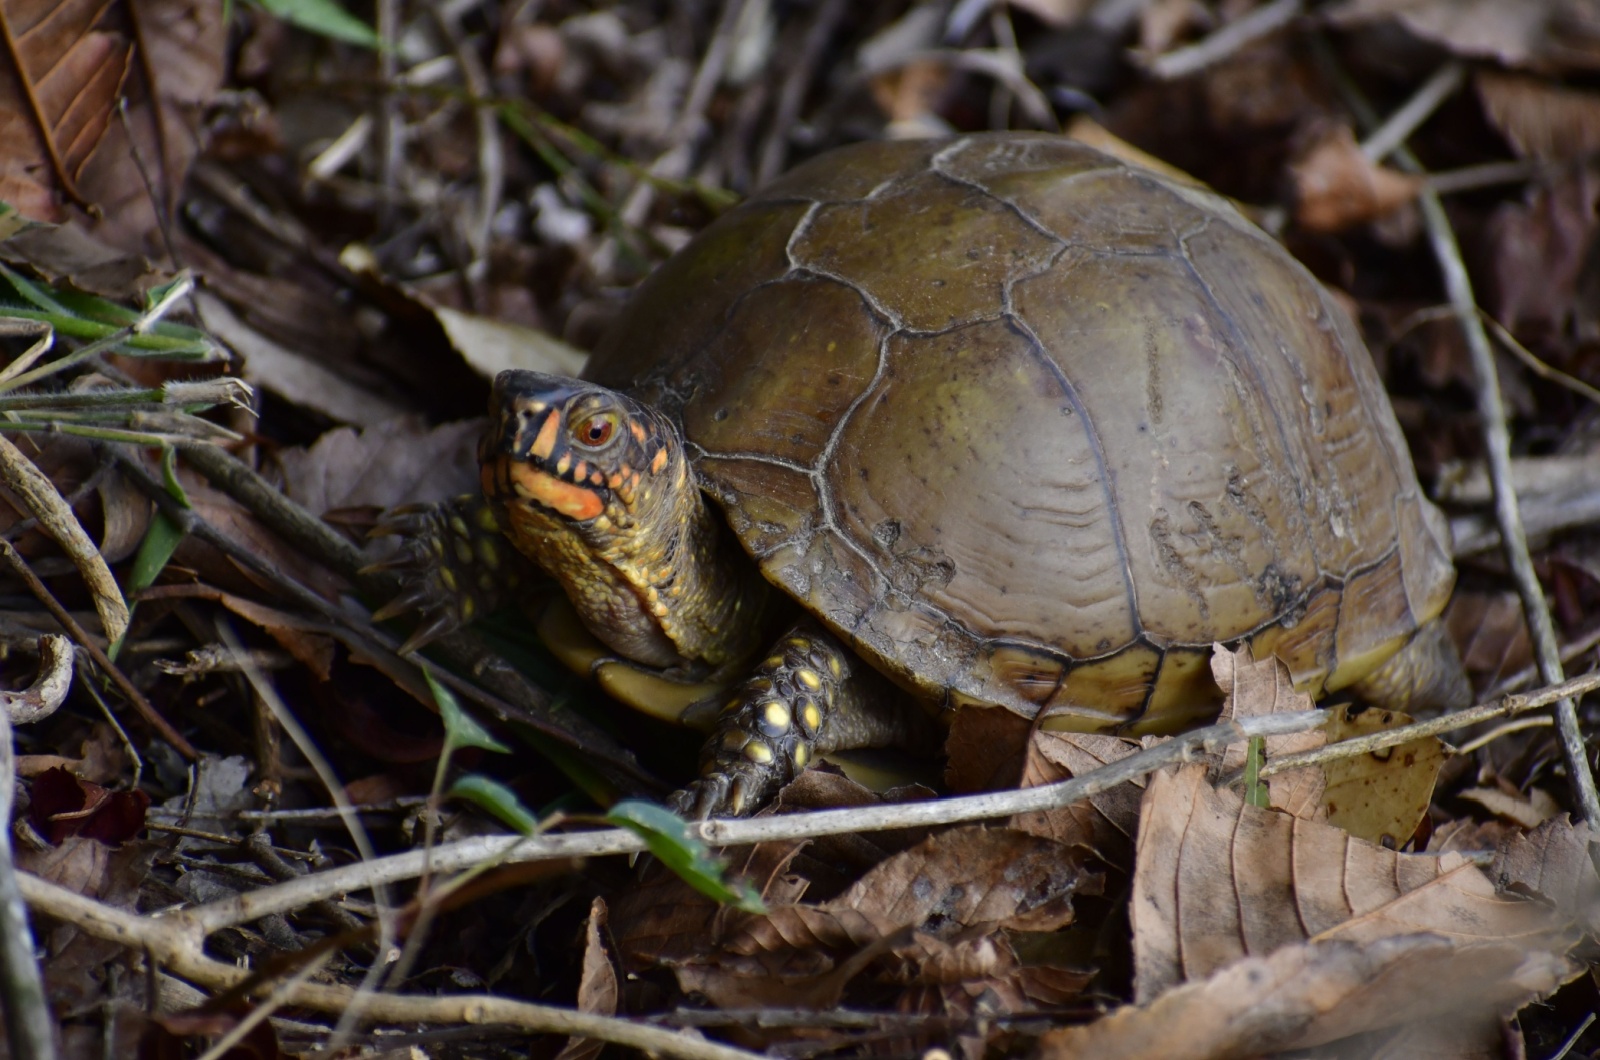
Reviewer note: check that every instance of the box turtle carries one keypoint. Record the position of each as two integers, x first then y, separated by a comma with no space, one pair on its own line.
1016,425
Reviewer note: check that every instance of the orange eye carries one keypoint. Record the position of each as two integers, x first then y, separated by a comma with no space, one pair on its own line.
595,431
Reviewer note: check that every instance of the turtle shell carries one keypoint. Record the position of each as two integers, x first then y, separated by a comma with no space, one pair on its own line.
1034,428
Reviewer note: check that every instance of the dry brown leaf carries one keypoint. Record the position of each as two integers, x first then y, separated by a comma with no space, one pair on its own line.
1254,688
399,462
1548,34
985,749
1216,880
931,915
597,984
135,177
1105,823
1527,810
1538,251
1316,992
1337,187
1491,633
1554,862
1538,119
965,877
54,110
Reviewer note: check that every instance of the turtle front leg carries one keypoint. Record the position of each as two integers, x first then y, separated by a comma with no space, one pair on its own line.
808,697
454,566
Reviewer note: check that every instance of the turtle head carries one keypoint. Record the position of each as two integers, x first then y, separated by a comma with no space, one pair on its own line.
578,451
596,488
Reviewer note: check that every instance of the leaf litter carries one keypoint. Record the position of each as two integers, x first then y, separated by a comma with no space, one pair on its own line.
378,230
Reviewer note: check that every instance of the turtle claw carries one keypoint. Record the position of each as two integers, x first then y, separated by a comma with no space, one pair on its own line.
414,597
437,625
713,795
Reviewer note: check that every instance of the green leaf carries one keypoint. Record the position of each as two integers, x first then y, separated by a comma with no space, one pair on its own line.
460,728
160,542
493,796
326,18
1255,789
668,837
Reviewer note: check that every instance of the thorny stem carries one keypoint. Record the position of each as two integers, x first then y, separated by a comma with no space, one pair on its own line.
1497,446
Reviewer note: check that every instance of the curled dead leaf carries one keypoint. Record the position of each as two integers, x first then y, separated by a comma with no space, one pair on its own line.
1337,187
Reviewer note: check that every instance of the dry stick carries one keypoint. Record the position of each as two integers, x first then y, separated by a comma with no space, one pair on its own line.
1393,133
796,83
179,950
1360,745
1224,42
450,857
76,632
30,1029
1497,444
295,894
45,502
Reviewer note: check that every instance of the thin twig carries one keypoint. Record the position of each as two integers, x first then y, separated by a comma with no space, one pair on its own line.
174,946
30,1029
145,708
1497,446
451,857
1394,132
792,94
268,697
1181,62
1460,719
1544,721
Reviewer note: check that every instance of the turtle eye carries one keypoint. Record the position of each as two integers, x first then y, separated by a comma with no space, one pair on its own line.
595,430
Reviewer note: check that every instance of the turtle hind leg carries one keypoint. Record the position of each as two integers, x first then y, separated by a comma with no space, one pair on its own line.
1424,675
810,696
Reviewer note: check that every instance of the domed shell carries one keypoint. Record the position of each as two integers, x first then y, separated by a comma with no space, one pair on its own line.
1031,427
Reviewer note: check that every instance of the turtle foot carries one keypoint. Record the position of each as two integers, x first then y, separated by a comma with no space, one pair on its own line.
453,566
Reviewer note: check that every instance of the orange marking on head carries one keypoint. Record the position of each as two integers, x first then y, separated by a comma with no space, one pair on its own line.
580,471
544,442
615,480
596,479
637,429
659,462
574,502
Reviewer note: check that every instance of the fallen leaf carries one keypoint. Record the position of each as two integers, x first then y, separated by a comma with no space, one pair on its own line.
1539,119
55,106
1537,253
63,805
1554,862
398,462
1381,796
1527,810
1540,34
1316,992
1104,823
135,178
1216,880
597,984
1337,187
